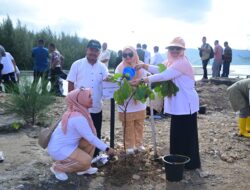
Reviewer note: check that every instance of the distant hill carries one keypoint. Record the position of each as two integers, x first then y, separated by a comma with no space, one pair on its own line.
240,57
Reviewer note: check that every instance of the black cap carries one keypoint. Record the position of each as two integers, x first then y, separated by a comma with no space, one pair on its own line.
94,44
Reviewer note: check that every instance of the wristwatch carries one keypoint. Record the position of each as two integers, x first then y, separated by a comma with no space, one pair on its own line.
107,149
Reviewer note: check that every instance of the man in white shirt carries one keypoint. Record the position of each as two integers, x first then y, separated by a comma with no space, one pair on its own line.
157,58
147,55
89,72
105,54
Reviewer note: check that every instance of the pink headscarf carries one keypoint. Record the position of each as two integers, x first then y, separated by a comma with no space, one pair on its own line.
135,61
76,101
181,64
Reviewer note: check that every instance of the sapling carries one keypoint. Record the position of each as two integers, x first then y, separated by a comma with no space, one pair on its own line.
127,93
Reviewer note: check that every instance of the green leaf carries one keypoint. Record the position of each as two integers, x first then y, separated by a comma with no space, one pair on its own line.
165,88
142,93
152,95
117,76
114,78
162,67
16,126
123,93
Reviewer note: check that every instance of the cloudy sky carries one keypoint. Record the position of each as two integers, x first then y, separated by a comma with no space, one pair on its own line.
126,22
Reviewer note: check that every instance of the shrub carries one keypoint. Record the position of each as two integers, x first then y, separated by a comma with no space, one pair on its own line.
30,102
16,126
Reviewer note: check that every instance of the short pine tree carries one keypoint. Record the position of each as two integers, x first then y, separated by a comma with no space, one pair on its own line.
30,102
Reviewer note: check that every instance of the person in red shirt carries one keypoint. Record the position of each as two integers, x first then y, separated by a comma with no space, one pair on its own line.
218,51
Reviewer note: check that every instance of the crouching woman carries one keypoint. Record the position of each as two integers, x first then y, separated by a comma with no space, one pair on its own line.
73,142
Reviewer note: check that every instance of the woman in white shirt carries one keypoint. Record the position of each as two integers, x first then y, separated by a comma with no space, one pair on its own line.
73,142
184,106
136,111
8,70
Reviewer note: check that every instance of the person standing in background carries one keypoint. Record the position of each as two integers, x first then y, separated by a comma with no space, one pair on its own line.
40,56
89,72
8,70
227,59
118,58
105,54
204,52
2,53
140,52
158,102
157,57
147,54
216,67
56,61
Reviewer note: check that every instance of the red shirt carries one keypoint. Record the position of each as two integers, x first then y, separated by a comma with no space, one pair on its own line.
218,51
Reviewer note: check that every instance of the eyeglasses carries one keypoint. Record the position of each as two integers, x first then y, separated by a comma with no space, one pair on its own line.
125,55
173,48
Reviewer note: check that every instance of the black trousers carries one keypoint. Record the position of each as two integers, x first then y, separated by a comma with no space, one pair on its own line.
55,74
9,81
97,120
204,66
226,67
184,138
44,78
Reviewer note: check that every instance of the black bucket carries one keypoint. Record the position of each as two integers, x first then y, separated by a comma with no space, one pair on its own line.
174,166
203,109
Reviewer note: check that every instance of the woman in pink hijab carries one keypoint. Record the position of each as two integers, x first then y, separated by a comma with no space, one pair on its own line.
184,106
136,111
73,142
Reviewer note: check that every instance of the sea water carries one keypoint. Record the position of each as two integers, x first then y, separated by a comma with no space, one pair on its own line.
240,71
235,71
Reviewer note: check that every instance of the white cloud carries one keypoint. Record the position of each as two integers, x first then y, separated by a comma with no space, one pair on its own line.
127,22
189,11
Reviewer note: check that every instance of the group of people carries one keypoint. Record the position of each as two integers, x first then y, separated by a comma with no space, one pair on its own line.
143,54
48,63
76,138
221,58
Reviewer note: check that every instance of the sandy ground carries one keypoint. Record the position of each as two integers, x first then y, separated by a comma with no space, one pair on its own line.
224,155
